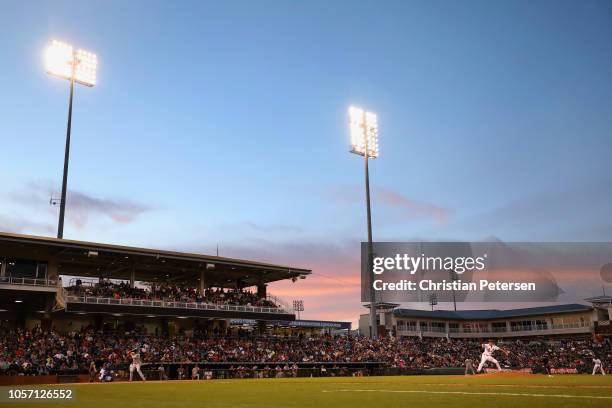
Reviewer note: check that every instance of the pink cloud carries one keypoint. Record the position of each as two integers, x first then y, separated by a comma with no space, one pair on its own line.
81,206
331,292
407,207
411,208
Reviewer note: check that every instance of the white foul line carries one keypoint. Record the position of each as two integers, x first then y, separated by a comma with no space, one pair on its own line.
506,394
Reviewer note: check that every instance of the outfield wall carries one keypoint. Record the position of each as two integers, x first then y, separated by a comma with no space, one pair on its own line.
255,370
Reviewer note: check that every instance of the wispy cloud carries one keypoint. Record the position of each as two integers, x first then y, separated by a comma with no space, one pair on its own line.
281,228
411,208
20,225
407,207
584,211
121,211
80,206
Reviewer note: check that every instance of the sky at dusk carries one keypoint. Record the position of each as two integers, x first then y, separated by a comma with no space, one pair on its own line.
225,123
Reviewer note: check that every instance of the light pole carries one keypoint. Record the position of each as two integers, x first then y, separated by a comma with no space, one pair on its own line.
77,66
433,300
298,306
453,276
364,142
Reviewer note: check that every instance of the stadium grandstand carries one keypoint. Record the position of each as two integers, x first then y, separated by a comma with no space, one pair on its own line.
73,311
55,281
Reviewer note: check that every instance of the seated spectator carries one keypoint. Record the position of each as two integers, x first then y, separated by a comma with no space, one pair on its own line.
170,293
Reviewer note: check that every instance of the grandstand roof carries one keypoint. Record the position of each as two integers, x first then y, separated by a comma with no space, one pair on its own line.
600,299
322,324
490,314
80,258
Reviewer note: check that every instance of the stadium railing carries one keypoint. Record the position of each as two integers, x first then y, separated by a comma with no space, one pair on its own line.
173,304
523,330
12,280
226,370
575,325
256,370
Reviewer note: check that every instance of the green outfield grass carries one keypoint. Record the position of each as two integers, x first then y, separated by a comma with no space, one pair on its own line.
419,391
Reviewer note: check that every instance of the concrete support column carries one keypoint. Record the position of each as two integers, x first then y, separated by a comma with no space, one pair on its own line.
202,283
53,269
45,321
132,276
98,322
21,318
165,327
262,290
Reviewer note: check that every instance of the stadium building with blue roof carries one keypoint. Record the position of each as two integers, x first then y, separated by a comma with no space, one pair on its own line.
555,320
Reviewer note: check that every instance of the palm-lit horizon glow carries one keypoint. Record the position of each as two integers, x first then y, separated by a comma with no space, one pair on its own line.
60,59
363,125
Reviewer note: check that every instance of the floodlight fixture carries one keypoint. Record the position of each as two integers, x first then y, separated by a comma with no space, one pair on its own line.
63,61
364,132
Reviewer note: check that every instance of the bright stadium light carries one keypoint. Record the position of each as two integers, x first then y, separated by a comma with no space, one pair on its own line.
364,132
78,66
62,61
363,126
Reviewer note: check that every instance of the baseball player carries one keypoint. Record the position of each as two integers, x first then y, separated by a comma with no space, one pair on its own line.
469,366
135,366
597,366
195,373
546,365
106,373
92,371
487,355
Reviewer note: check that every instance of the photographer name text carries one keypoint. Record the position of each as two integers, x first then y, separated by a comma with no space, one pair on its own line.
454,285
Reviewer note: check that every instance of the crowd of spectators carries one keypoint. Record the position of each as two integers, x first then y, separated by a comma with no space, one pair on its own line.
37,352
440,352
169,292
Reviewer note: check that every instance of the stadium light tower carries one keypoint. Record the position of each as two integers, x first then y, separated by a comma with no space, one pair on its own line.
364,142
77,66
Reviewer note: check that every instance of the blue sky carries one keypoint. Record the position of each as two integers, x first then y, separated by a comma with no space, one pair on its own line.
225,122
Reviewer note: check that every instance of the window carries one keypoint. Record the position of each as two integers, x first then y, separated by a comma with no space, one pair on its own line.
541,325
498,327
521,325
570,322
437,327
19,268
476,327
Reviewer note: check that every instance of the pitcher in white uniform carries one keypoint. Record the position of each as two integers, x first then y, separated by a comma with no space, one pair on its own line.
487,355
597,366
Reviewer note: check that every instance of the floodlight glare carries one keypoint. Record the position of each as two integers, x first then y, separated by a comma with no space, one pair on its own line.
364,132
62,61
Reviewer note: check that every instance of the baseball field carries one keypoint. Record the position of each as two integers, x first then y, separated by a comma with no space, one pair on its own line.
417,391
